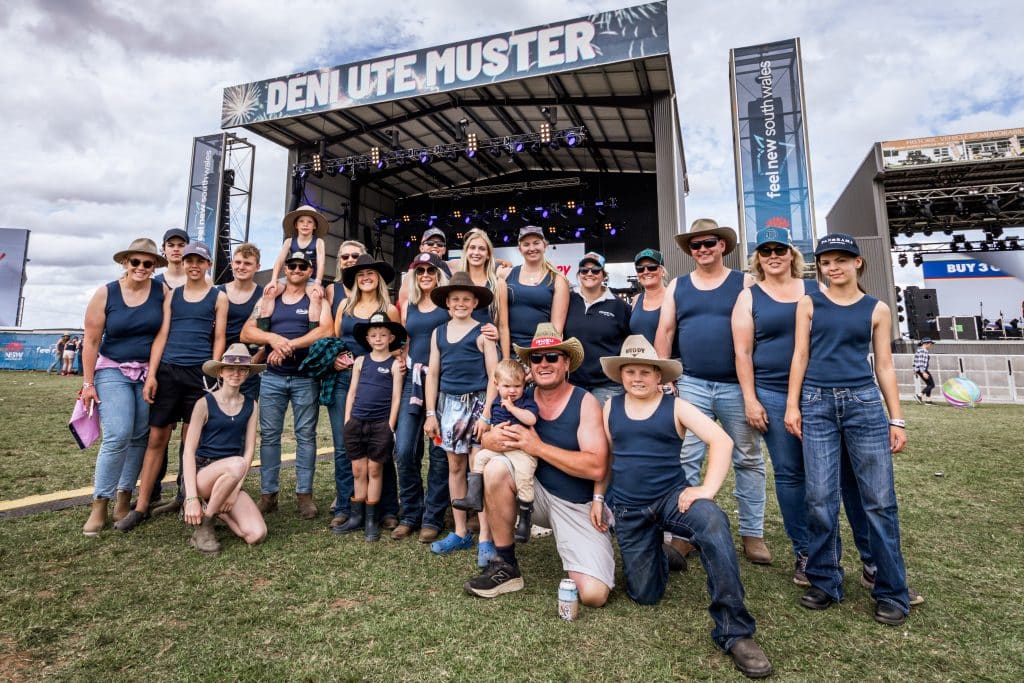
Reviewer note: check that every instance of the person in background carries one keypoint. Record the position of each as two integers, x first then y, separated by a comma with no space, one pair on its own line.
478,260
537,292
243,294
922,358
650,275
304,230
58,355
174,243
70,350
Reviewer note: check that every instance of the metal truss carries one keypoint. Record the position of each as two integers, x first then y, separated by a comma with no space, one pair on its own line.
458,192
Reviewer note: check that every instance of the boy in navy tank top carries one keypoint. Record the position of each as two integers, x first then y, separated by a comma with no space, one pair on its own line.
218,454
299,228
243,294
195,320
371,414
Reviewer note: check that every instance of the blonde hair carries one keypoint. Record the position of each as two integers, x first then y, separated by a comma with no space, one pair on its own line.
511,370
489,269
415,293
796,266
337,259
248,250
380,294
552,272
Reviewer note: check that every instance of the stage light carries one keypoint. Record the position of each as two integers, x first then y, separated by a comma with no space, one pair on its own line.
518,147
471,145
430,221
1001,245
571,204
554,145
985,246
992,204
383,163
398,224
902,260
375,155
512,208
451,156
608,226
908,231
406,217
927,232
505,238
968,246
545,133
571,139
926,209
549,116
995,231
612,232
954,247
456,213
902,205
918,259
303,173
495,152
424,157
408,244
552,230
579,210
961,208
578,234
544,212
535,147
468,220
504,216
318,166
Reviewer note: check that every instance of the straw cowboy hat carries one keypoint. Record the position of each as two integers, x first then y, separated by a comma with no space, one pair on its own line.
636,350
707,226
237,356
142,245
462,282
548,338
366,262
360,330
289,221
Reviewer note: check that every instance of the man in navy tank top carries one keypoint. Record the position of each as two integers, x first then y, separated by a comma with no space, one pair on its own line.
297,321
243,294
697,314
175,241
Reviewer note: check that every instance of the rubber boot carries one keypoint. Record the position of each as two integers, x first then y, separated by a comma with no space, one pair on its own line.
97,517
525,522
204,538
355,519
306,506
474,499
122,505
267,503
372,524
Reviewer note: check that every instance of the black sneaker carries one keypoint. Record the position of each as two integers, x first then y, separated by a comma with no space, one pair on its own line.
867,579
499,577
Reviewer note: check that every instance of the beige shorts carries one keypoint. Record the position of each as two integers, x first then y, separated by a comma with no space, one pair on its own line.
523,467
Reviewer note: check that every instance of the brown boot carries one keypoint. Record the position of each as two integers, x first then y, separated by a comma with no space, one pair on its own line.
267,503
307,508
401,531
428,534
122,505
204,538
97,517
755,550
171,507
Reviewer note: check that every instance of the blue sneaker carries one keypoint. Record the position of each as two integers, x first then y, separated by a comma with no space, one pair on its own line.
485,552
451,543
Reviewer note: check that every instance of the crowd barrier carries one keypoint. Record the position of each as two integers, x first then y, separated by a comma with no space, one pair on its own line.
1000,378
31,349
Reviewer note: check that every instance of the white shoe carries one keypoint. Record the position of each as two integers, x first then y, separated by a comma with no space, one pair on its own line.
539,531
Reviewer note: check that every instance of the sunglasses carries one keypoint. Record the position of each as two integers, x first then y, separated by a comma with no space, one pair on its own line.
550,357
779,250
426,270
648,268
433,243
354,255
297,265
707,243
590,271
135,263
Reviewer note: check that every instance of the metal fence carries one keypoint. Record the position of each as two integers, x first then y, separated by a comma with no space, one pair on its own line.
1000,378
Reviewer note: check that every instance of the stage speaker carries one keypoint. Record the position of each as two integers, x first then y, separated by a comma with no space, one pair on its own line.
922,312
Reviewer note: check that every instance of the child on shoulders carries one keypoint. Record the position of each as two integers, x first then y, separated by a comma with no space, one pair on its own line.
299,228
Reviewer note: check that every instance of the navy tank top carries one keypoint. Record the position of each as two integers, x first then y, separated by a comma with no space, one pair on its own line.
419,326
704,328
348,327
645,453
373,396
224,435
483,315
238,314
129,330
337,299
462,364
840,343
309,251
190,339
528,305
290,321
561,432
644,322
774,333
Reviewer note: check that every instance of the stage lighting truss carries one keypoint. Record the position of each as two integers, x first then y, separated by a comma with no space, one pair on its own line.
993,239
955,208
378,158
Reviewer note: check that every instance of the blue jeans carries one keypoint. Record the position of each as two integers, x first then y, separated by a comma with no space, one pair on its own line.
853,417
276,391
787,457
602,394
855,514
724,401
344,489
417,509
124,417
640,532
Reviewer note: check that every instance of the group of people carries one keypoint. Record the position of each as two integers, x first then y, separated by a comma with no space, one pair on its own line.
535,403
65,351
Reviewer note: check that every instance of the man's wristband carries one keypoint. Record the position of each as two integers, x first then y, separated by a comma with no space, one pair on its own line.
485,420
430,413
902,424
598,498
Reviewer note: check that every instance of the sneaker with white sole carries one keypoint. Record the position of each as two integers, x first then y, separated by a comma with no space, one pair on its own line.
499,577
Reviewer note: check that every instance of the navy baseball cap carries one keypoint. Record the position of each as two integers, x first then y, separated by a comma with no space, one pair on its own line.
837,241
652,254
197,249
175,232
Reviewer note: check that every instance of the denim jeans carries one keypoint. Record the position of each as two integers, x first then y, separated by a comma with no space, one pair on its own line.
276,391
787,455
343,487
854,507
724,401
853,417
417,509
602,394
640,530
124,418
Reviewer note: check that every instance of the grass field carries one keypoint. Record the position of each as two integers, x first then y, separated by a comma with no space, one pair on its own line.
306,605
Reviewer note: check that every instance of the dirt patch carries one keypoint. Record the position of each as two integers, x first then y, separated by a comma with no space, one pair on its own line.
260,584
347,603
15,664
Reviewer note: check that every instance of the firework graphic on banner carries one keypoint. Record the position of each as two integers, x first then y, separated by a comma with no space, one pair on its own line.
636,24
242,103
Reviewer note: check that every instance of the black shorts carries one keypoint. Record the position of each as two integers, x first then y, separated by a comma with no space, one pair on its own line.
373,440
177,390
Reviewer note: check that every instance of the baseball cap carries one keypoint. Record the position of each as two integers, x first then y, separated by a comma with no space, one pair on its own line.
773,236
175,232
837,241
593,257
527,230
652,254
427,259
298,256
197,249
434,232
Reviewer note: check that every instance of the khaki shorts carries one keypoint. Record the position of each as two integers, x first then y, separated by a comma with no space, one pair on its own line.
523,467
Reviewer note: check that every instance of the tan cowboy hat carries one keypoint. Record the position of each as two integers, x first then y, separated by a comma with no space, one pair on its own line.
461,281
636,350
707,226
548,338
142,245
237,356
289,221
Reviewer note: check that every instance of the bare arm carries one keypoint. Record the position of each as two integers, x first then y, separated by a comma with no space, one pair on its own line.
589,462
321,259
430,385
397,379
666,333
193,509
350,399
157,352
719,452
278,265
885,373
220,325
560,303
522,414
798,368
743,343
490,362
597,507
504,339
95,321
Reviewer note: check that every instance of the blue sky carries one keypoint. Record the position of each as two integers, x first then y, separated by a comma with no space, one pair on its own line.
102,99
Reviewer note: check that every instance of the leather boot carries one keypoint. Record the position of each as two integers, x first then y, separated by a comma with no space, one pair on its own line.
97,517
267,503
355,519
474,499
122,505
307,508
755,550
171,507
372,524
525,522
204,538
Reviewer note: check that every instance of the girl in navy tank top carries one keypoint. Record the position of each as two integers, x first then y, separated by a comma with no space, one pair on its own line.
650,275
478,260
537,292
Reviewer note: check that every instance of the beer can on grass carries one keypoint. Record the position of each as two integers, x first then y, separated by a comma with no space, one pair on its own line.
568,600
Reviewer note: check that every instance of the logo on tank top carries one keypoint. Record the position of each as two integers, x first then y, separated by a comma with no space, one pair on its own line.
384,371
607,314
301,311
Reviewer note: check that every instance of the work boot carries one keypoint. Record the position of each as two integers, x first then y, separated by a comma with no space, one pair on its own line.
338,519
97,517
401,532
389,522
750,659
372,532
131,520
755,550
204,538
307,508
525,522
676,560
171,507
474,498
267,503
428,534
122,505
355,519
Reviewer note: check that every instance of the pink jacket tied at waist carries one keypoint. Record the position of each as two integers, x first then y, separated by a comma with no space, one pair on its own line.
135,371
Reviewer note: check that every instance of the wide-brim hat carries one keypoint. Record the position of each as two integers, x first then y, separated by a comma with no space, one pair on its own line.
548,338
360,330
707,226
306,210
141,245
366,262
636,350
461,281
237,356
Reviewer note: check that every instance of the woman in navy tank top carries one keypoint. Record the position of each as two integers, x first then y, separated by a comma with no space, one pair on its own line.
650,275
478,260
832,404
537,292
